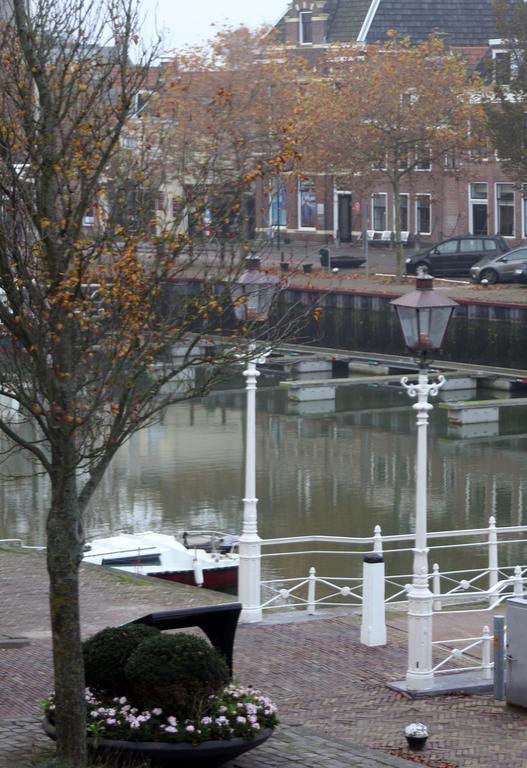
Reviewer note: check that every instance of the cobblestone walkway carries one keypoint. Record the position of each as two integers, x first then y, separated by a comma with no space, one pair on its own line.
331,691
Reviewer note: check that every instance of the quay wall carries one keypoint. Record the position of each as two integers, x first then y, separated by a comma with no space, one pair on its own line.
482,333
479,332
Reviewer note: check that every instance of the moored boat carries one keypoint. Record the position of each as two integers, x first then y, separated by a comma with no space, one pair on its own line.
163,556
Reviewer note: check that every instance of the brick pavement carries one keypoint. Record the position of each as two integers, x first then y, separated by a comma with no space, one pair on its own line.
330,690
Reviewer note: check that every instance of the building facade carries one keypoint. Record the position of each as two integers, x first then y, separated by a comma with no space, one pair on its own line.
437,202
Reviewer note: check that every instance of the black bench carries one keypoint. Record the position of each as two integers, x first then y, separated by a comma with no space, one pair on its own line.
219,623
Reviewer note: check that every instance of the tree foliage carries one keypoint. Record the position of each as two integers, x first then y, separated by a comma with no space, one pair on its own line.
91,304
388,109
505,107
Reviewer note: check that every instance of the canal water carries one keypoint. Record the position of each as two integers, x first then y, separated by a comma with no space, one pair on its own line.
322,468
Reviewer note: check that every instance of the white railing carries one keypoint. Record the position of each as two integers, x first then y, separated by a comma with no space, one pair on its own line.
477,589
312,590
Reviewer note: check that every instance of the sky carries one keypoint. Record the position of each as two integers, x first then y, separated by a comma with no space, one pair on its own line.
186,22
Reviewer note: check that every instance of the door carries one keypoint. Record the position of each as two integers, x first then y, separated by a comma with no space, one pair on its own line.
509,263
516,652
344,218
443,258
479,219
471,250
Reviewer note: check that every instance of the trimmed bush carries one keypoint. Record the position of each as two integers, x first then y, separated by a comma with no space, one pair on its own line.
106,654
178,672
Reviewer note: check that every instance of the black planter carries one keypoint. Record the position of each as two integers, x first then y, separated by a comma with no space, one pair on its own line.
416,743
208,754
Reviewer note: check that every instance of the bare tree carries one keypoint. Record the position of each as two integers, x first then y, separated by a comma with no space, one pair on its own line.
89,300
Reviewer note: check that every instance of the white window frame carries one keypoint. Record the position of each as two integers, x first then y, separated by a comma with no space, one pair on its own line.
374,195
299,207
419,231
523,198
497,214
272,195
496,52
407,196
301,27
477,200
423,166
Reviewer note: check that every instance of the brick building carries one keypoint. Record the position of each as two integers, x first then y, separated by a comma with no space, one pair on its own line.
435,205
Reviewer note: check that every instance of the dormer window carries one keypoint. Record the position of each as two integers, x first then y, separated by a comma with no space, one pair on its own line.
502,67
305,27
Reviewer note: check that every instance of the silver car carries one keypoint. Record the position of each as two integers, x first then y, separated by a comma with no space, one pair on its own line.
500,269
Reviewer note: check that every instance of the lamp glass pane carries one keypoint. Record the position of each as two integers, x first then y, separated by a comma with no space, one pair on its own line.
408,320
438,325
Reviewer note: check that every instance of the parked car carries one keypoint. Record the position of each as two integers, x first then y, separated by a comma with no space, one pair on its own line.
520,274
456,255
342,261
501,269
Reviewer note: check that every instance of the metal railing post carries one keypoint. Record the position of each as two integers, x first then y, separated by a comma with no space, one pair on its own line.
311,591
436,587
377,539
493,555
517,582
485,654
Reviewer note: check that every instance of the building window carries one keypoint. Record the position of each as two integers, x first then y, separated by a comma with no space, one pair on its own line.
277,206
502,67
423,218
305,27
378,210
505,209
478,208
403,210
307,205
423,161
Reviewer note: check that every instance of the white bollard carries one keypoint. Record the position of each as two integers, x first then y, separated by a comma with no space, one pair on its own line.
373,627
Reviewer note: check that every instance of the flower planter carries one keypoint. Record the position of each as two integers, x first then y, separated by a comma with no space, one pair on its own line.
208,754
416,743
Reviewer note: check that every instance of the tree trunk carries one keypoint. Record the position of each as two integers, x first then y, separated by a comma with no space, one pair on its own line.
64,552
398,242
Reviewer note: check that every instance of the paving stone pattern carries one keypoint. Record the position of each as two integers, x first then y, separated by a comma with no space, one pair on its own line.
331,691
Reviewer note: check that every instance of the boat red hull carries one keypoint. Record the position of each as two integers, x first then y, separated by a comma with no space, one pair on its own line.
212,577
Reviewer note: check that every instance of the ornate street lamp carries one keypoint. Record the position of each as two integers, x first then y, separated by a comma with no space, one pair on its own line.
424,315
253,292
252,295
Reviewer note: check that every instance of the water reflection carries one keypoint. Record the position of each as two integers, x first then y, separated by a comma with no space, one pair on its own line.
329,472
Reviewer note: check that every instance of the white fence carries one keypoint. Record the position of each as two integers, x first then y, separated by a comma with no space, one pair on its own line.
313,589
459,589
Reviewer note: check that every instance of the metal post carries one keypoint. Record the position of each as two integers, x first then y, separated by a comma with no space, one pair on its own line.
436,586
485,654
311,593
377,539
250,542
493,556
499,657
518,582
420,675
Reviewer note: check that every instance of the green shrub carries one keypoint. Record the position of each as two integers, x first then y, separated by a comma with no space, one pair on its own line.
106,654
178,672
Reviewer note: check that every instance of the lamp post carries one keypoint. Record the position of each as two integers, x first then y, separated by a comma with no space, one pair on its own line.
424,316
252,294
